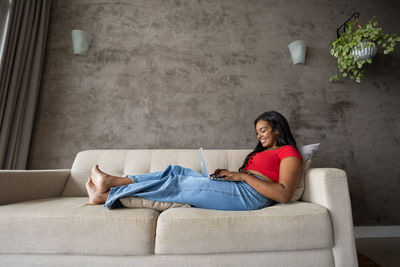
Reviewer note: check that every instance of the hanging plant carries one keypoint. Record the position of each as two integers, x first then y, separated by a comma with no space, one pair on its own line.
357,45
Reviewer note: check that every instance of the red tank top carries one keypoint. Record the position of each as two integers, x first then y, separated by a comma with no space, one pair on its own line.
267,162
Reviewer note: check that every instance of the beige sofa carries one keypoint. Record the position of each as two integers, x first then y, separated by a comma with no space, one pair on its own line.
45,220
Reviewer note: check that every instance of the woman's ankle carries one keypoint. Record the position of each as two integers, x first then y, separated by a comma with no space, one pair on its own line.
120,181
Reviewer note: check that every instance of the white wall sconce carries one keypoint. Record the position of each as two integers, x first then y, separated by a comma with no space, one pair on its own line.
80,42
298,51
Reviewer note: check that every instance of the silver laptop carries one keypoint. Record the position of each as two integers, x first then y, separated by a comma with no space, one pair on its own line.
204,168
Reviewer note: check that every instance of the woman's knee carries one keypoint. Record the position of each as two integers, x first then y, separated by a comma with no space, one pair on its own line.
180,170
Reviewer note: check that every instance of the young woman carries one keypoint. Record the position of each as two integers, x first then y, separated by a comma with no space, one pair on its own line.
269,174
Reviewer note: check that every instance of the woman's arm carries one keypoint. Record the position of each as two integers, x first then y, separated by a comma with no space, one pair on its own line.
289,175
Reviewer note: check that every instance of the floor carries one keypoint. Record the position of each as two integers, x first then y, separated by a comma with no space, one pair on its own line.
383,251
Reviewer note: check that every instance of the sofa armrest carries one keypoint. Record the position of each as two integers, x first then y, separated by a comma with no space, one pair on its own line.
22,185
328,187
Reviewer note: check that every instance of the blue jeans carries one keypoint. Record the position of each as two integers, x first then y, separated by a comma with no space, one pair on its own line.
183,185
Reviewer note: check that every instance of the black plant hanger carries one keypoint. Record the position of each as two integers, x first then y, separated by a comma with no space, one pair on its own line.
356,15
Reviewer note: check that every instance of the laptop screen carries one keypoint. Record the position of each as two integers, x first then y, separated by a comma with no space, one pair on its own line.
203,163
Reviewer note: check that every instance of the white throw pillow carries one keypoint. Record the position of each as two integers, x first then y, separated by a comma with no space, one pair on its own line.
307,153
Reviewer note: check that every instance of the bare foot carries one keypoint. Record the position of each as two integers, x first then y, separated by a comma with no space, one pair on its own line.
100,179
95,198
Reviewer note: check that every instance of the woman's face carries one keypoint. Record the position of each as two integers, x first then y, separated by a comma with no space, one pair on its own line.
265,134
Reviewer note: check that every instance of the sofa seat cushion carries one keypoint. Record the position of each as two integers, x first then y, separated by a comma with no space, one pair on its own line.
69,225
294,226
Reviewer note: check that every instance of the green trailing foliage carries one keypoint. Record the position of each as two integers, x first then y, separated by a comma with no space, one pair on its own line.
348,65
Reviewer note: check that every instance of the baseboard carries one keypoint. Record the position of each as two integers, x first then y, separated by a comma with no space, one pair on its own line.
376,231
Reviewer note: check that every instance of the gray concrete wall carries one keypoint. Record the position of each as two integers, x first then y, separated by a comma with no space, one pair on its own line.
184,74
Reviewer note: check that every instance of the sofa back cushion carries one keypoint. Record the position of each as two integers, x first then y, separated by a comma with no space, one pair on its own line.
141,161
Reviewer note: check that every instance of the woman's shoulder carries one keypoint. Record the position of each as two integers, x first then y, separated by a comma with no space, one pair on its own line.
288,147
289,151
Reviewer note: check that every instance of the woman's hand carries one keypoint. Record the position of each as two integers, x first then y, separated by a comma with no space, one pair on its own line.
233,176
217,171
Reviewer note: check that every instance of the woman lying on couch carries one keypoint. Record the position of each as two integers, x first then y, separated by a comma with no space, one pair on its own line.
269,174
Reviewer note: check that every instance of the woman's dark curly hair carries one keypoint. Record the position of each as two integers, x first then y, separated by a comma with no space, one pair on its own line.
278,122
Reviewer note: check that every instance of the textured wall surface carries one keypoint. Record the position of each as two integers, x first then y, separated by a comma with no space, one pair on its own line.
184,74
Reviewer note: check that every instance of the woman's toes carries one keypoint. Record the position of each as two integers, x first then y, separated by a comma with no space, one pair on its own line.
92,192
